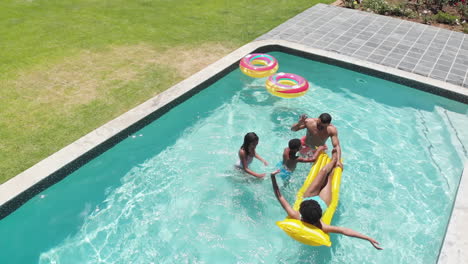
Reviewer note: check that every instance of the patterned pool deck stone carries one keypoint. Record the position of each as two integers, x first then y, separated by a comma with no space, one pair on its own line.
421,49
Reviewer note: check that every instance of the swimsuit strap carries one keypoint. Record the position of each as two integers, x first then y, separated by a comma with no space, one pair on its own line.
319,200
308,198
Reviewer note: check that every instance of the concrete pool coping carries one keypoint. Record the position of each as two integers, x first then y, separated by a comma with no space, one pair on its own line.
25,185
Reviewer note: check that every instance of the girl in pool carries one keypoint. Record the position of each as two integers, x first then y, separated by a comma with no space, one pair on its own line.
247,153
315,202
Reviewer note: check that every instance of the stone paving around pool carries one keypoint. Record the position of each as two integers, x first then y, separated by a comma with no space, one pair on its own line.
425,50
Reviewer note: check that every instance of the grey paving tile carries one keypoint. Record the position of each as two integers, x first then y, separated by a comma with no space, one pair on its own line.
406,66
422,70
327,39
367,49
334,47
376,58
429,64
437,45
358,42
455,79
361,53
339,43
393,38
464,46
371,44
387,45
392,42
406,43
428,59
410,60
392,62
433,51
458,71
448,54
440,75
464,62
447,63
437,49
395,56
353,31
345,38
296,37
461,56
421,46
362,37
459,63
413,55
441,67
381,52
403,46
450,47
313,36
321,43
367,34
399,51
309,41
411,38
347,50
415,49
353,45
302,23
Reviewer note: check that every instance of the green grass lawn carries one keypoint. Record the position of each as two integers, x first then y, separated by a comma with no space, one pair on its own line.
67,67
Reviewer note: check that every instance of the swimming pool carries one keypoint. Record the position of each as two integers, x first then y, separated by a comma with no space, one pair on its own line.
168,192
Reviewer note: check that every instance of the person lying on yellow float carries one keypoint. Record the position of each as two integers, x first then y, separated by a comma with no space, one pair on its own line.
316,200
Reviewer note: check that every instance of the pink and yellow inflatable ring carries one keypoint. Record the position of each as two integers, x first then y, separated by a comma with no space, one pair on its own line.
287,85
258,65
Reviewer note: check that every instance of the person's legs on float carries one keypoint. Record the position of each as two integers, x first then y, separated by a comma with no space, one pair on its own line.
320,180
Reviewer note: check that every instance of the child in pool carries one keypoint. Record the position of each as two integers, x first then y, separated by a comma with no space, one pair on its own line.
290,159
247,153
316,200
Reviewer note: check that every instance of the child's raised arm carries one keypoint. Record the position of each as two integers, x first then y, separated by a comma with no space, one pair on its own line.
349,232
286,206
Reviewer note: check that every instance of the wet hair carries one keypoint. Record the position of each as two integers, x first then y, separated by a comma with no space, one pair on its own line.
310,211
249,138
325,118
294,143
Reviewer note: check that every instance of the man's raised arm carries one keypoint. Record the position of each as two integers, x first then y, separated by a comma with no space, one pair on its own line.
300,124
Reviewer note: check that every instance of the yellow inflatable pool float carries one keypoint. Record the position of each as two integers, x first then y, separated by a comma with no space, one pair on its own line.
306,233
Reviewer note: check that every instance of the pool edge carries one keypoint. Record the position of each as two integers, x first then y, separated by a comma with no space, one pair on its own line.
455,244
25,185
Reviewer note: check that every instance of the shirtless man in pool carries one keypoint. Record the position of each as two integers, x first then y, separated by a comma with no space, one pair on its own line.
318,131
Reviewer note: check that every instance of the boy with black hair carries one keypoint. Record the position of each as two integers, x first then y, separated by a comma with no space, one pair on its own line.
290,159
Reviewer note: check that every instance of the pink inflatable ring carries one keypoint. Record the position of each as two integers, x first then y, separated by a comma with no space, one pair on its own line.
258,65
287,85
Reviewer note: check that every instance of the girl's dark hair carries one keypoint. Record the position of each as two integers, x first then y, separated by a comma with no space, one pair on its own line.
249,138
310,211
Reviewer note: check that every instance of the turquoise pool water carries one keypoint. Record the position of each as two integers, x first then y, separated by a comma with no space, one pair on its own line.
169,193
